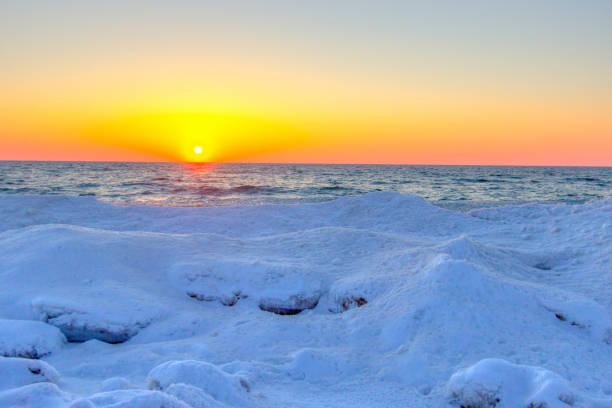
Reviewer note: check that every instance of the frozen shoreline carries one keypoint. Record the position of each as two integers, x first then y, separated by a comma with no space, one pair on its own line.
376,300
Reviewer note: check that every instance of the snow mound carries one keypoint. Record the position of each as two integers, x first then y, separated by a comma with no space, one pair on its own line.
498,383
130,399
37,395
17,372
28,338
194,396
224,387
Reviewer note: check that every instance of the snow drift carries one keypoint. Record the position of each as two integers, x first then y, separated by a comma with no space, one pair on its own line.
377,300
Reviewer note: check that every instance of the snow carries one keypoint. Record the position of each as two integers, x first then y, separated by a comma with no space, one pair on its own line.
17,372
220,385
116,383
129,399
376,300
498,383
494,382
37,395
29,339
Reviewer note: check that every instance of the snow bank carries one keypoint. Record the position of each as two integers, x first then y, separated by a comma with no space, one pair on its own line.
29,339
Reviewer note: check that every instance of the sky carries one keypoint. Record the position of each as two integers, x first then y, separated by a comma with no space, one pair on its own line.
436,82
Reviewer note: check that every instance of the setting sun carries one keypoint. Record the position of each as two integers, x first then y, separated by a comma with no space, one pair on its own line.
197,150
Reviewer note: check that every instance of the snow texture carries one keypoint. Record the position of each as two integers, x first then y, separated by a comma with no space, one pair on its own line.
376,300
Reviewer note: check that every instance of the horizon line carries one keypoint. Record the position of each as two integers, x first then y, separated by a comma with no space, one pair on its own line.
305,163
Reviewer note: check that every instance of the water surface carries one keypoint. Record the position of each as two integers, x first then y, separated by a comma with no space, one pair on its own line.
178,184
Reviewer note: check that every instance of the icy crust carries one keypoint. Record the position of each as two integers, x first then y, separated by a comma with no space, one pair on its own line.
378,300
29,339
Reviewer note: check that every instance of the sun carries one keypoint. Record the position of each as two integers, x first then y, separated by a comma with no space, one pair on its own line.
197,150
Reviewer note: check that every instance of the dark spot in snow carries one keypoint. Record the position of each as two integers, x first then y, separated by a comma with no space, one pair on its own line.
542,266
230,300
34,370
283,311
563,318
245,384
349,303
291,306
346,303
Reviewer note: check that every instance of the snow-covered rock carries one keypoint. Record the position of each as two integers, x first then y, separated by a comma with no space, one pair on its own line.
28,338
497,383
17,372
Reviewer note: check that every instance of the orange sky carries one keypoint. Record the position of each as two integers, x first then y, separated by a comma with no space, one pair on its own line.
307,83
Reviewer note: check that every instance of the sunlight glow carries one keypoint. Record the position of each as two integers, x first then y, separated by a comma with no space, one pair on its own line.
197,150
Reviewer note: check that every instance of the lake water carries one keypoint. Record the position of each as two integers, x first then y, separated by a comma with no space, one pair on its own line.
179,184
